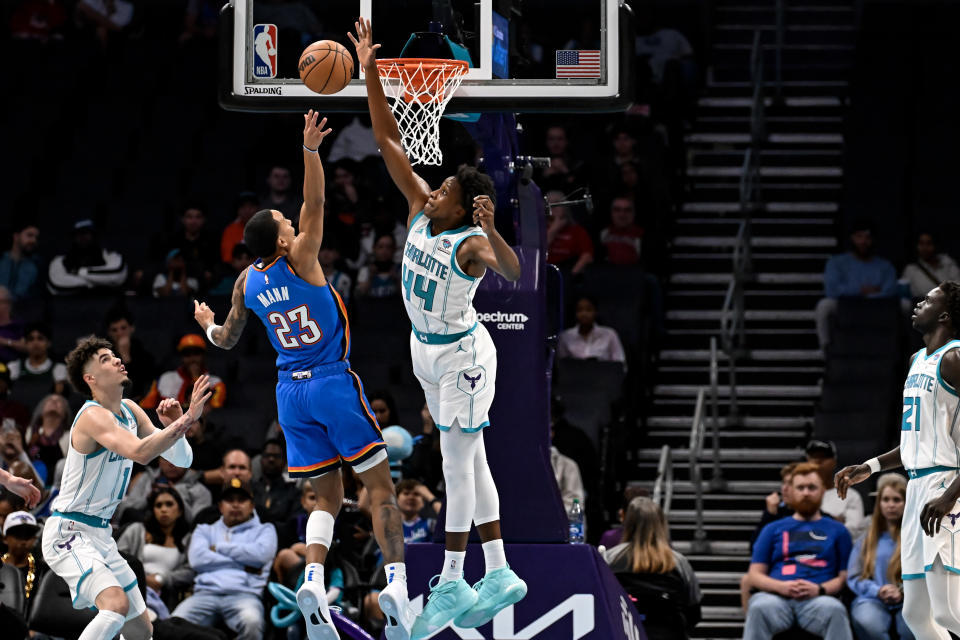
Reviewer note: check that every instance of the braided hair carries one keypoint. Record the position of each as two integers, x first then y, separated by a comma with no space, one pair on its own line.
951,290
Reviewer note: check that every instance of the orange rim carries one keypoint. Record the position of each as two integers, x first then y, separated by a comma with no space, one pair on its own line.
420,83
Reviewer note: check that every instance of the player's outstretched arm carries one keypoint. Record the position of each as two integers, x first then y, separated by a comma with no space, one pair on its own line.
22,487
385,128
227,335
307,244
492,251
857,473
100,427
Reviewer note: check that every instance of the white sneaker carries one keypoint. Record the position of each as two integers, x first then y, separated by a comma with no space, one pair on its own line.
312,600
396,608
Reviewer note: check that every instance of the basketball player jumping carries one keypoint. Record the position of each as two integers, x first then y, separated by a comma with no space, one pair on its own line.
108,435
454,358
930,451
326,419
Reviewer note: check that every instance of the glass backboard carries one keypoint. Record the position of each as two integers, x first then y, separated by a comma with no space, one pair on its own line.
526,55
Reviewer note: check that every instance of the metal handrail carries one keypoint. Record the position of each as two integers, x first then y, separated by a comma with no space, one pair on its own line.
699,544
663,486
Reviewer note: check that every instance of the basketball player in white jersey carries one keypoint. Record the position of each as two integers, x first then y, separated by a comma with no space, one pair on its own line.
108,435
930,452
454,358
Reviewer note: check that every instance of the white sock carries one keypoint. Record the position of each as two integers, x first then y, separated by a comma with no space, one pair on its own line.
395,571
106,624
452,566
313,572
493,555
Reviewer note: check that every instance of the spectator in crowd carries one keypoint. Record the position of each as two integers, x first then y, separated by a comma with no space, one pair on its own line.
159,542
777,504
622,240
20,266
197,246
567,474
425,463
38,20
384,407
48,436
279,195
930,268
86,266
207,454
589,340
661,580
329,258
106,17
274,496
383,223
240,259
874,568
20,533
37,374
344,199
380,278
354,141
174,281
292,535
856,274
10,409
193,494
139,363
614,536
179,383
9,503
232,558
849,511
246,205
659,46
799,565
12,344
568,244
562,174
624,147
235,463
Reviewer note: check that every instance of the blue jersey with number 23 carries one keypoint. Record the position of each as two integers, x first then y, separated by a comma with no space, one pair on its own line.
306,324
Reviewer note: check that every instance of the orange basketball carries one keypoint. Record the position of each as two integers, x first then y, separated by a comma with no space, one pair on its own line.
326,66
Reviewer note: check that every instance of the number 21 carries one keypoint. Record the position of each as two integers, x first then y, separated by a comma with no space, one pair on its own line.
912,406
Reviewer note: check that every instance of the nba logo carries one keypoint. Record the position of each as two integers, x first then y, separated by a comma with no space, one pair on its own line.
265,51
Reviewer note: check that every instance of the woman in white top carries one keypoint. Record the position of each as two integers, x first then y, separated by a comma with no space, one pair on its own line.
930,268
588,340
160,543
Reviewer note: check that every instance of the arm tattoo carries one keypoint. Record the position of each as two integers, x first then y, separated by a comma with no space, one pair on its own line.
227,336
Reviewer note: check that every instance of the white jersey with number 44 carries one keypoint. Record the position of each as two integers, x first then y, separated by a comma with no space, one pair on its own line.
438,295
929,429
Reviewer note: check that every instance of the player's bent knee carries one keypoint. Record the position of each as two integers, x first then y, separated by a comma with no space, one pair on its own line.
113,599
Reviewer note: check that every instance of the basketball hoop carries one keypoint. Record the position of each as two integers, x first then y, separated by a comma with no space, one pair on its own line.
418,90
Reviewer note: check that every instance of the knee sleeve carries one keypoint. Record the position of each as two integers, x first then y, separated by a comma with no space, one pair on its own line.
488,500
458,451
319,528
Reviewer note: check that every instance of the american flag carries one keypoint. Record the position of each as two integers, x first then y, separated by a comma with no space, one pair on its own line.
578,64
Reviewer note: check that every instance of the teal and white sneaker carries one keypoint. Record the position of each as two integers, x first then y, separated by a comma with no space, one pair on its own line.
446,601
496,591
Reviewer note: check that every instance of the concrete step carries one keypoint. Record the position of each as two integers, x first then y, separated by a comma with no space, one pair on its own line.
724,278
728,547
771,172
743,391
759,242
790,102
760,487
750,422
722,613
732,455
769,207
756,223
765,436
789,315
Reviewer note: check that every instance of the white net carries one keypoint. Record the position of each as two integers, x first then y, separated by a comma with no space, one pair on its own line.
418,91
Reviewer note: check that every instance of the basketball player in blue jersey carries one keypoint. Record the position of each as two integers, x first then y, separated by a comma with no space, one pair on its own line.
108,435
930,451
326,419
444,258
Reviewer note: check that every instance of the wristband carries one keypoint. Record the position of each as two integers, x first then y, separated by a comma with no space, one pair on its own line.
210,333
306,148
874,464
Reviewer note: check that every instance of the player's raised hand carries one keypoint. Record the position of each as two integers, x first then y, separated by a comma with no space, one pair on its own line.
201,393
483,213
203,314
169,410
366,50
849,476
313,131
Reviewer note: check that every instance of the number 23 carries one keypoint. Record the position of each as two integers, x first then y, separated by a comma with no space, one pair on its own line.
309,330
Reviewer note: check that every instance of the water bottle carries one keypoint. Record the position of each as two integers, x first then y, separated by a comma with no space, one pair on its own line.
575,517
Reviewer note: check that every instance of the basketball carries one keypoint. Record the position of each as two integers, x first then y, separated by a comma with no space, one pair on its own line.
326,66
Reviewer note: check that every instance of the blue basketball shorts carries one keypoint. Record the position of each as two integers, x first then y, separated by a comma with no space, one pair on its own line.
326,420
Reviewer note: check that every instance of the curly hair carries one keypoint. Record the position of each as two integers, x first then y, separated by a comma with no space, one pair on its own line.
473,183
78,358
951,291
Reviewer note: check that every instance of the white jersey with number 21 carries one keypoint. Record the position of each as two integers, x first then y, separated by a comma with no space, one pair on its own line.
929,429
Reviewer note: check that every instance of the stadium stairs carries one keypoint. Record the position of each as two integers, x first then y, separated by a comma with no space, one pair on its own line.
779,379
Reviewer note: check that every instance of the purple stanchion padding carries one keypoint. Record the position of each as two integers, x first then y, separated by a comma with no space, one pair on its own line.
348,627
572,594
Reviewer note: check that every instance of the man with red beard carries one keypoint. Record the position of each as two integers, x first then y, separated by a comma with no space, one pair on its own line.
799,564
